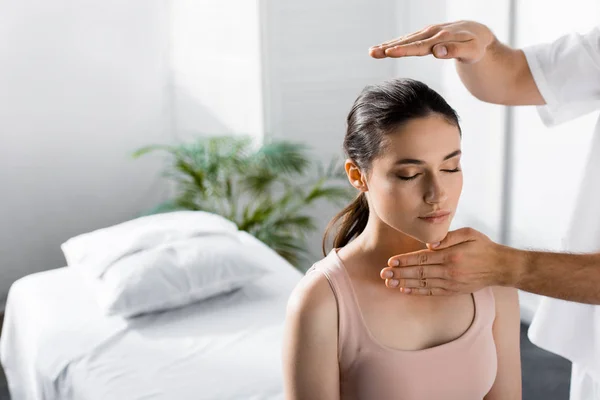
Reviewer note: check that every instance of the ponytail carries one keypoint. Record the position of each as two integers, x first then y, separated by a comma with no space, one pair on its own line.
354,220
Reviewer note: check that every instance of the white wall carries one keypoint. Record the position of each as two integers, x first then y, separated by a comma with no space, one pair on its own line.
316,63
482,124
548,162
412,16
316,56
216,61
83,84
483,127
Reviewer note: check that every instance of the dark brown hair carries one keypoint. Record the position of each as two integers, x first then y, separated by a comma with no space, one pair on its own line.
379,110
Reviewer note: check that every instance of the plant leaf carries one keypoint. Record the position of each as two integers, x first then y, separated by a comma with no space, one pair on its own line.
149,149
264,191
283,157
332,193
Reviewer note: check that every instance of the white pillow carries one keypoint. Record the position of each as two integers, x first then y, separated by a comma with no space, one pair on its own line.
174,274
102,247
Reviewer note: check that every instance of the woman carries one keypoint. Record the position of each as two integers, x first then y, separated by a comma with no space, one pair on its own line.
347,335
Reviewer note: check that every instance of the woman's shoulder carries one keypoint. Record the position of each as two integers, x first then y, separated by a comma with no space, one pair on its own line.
499,303
312,301
498,297
505,298
503,291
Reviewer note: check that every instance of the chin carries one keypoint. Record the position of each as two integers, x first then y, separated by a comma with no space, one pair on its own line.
433,236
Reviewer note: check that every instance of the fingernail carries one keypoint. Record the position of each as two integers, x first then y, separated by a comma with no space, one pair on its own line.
394,263
434,245
388,274
393,283
406,290
441,51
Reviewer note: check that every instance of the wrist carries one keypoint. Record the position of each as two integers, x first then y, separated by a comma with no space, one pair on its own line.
515,264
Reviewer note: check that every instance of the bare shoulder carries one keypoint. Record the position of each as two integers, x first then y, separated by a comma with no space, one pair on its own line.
505,294
310,352
313,303
506,299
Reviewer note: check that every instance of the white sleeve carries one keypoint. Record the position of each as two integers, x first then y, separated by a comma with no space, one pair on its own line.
567,74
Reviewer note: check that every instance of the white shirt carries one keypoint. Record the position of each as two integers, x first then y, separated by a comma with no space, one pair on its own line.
567,74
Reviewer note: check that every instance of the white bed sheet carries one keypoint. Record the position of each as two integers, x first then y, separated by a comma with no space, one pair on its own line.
57,345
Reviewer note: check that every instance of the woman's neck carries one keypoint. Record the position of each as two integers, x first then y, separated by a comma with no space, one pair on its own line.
380,238
375,245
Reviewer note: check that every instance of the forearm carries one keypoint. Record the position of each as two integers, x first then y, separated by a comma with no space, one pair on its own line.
502,76
573,277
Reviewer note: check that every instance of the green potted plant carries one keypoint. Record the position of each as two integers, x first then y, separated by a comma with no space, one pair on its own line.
267,191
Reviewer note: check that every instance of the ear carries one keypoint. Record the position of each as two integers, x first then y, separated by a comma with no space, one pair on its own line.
355,176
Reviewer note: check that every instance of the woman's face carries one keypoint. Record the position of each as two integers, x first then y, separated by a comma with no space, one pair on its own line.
415,184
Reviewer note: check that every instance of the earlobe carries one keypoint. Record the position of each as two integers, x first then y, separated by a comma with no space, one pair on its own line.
360,185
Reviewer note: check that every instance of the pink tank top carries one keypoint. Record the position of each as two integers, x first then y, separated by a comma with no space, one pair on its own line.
463,369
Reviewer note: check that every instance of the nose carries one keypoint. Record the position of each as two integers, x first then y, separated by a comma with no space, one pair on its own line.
435,192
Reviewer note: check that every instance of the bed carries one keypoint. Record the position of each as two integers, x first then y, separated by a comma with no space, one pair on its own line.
57,344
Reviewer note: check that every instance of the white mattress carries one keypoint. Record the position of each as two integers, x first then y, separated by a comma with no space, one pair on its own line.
57,345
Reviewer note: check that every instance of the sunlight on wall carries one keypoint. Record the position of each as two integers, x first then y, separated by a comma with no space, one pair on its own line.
216,65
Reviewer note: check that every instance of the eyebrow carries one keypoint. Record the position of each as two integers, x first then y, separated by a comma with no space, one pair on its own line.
420,162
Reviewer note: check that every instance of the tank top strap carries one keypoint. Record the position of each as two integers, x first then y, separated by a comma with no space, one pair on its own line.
350,328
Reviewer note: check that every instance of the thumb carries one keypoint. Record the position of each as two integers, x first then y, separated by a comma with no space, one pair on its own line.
440,51
454,237
458,50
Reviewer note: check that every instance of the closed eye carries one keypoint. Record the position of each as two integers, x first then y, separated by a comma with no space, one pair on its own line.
408,178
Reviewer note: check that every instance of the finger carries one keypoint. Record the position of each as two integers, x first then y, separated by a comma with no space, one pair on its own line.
379,50
424,46
423,34
428,292
422,257
417,272
426,32
455,237
418,283
417,48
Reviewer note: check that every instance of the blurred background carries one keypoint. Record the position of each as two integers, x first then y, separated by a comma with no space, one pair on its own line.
85,83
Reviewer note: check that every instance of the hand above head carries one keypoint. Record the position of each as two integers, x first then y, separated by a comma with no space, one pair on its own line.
465,41
464,262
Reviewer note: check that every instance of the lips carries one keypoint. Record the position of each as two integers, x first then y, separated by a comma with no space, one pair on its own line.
435,217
